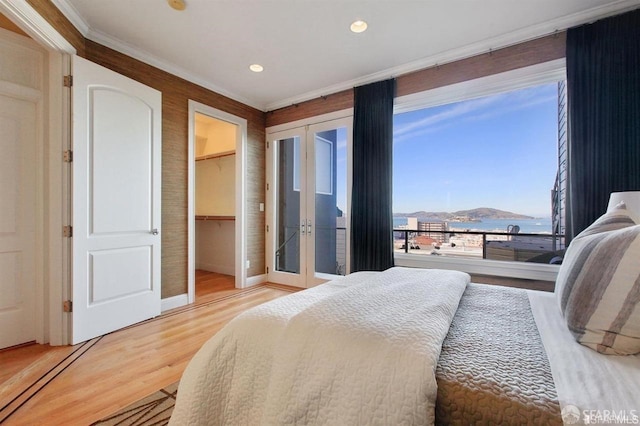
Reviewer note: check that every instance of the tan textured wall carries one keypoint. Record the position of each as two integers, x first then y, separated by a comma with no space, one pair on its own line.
7,24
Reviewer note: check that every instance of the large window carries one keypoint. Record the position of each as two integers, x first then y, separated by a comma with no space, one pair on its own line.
480,178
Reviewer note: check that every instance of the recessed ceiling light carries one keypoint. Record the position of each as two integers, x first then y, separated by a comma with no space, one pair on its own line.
256,67
177,4
358,26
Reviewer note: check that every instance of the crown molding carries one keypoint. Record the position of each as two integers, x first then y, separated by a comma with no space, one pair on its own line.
35,25
127,49
72,14
494,43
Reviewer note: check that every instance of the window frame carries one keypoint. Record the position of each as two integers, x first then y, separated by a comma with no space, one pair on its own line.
331,165
543,73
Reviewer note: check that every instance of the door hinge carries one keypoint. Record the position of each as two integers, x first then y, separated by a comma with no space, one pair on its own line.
267,228
267,144
267,187
267,269
67,156
67,231
67,81
67,306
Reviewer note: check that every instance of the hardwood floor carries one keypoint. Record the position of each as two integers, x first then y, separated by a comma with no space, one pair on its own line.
15,361
84,383
211,286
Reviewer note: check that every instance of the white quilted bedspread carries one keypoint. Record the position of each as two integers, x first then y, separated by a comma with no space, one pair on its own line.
358,350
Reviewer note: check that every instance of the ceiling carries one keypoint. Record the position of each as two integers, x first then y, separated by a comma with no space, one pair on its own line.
306,47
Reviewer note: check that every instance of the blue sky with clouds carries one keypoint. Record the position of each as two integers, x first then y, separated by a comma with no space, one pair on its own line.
498,151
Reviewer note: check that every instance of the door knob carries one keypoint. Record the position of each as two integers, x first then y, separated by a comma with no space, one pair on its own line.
154,231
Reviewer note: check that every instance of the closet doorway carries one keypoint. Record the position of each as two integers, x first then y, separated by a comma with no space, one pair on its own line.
216,202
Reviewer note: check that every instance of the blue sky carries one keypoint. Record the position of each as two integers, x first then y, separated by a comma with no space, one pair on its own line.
498,151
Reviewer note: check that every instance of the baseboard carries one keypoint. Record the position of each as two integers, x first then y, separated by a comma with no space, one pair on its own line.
174,302
255,280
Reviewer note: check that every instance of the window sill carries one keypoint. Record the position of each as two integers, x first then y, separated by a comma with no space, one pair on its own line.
524,270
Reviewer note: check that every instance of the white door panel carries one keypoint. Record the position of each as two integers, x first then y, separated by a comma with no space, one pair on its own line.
116,201
112,209
116,273
18,138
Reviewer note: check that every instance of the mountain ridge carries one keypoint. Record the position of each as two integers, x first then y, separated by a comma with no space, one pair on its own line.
474,215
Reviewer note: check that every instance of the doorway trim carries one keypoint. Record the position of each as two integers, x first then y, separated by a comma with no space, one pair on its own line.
53,324
240,207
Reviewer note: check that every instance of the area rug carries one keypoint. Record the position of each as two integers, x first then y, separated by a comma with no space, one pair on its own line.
154,410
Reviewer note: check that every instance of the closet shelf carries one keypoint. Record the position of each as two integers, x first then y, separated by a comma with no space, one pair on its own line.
215,217
216,155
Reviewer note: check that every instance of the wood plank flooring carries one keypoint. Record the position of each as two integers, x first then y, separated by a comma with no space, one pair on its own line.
15,360
211,286
114,370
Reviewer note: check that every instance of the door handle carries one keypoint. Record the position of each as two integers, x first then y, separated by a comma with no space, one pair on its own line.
154,231
308,227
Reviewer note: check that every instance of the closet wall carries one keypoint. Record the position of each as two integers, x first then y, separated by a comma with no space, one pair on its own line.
215,195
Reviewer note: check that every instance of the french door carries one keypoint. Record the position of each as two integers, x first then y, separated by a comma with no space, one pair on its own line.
308,172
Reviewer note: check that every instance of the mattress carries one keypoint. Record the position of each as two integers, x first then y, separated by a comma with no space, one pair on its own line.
594,383
493,368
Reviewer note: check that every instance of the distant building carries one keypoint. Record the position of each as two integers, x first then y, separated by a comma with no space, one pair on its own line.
434,230
559,191
424,242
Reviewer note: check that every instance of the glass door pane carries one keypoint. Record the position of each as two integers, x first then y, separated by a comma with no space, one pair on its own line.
329,191
288,214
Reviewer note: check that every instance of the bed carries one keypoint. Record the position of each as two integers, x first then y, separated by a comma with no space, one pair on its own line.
403,346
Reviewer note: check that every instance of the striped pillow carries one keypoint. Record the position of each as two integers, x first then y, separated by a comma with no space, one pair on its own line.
616,218
598,285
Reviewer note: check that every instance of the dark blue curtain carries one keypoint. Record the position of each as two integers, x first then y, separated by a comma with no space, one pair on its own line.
603,84
371,194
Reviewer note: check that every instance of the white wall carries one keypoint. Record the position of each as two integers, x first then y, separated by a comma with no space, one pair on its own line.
215,246
214,136
216,186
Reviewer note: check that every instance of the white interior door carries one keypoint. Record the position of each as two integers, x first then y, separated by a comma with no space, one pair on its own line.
308,175
17,220
116,201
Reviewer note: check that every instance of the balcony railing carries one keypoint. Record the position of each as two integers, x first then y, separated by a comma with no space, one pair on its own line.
529,247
